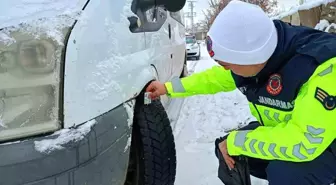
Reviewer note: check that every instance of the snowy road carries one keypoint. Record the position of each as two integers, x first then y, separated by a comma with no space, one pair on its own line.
203,118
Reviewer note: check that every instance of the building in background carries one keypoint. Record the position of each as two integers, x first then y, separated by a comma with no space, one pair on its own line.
316,14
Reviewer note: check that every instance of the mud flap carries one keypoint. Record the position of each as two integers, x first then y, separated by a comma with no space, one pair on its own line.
240,175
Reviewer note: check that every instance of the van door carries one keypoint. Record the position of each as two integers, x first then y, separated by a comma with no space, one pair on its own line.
177,42
157,35
102,62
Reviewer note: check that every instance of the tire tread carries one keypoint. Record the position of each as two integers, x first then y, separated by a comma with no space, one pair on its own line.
158,142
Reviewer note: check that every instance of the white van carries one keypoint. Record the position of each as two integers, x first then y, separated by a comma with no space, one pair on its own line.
72,80
193,47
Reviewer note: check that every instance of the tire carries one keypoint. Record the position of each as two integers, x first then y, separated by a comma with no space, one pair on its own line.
153,154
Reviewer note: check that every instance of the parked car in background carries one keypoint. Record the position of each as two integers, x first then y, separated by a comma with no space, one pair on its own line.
72,81
193,47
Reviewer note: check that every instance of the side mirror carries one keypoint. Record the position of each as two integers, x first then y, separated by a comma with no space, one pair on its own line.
158,16
170,5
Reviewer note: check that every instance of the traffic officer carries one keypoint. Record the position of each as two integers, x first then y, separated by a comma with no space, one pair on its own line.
288,74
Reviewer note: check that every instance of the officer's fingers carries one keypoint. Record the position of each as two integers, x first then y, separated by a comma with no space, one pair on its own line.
150,88
229,163
154,95
231,159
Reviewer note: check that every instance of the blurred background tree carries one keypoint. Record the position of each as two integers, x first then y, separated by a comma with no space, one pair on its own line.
217,6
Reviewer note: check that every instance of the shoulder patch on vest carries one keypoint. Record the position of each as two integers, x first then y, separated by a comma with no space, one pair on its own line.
328,101
274,86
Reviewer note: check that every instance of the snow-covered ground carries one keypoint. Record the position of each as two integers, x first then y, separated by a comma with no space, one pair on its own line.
203,118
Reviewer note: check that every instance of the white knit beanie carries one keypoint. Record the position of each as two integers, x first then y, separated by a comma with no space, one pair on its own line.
242,34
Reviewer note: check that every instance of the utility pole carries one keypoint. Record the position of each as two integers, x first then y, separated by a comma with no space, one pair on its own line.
191,14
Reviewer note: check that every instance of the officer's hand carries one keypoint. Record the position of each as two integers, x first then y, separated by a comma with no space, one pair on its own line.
228,159
156,89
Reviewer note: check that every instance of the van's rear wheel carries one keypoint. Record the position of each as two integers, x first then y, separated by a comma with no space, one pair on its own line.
153,155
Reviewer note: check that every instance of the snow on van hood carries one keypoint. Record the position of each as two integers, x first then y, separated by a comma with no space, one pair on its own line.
191,45
38,16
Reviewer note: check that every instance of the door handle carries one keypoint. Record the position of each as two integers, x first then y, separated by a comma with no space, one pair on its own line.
169,31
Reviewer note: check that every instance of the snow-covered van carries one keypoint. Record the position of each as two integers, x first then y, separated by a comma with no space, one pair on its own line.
72,80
